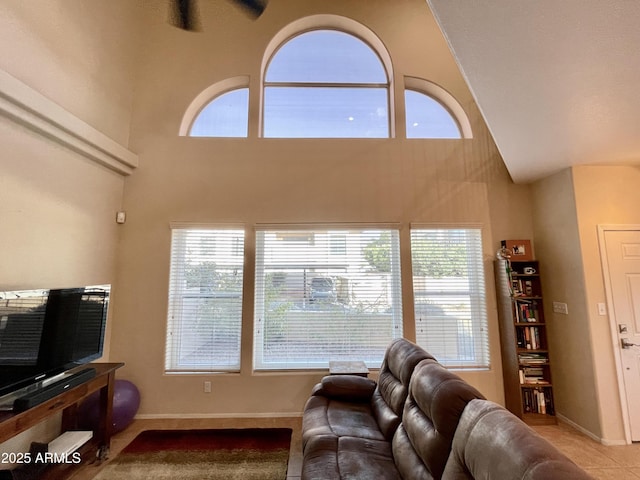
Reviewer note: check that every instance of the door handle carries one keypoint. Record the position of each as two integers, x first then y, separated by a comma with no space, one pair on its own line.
627,344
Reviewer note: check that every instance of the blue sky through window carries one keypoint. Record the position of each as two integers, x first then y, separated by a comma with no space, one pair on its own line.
226,116
427,118
326,56
326,112
348,99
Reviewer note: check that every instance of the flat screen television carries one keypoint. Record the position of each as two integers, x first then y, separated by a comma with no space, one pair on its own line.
46,332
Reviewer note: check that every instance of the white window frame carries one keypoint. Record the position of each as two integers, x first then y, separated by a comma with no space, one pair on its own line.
331,231
443,111
341,24
217,105
474,292
208,95
179,294
448,101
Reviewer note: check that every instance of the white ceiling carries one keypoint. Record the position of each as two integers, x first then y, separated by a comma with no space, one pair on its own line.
557,81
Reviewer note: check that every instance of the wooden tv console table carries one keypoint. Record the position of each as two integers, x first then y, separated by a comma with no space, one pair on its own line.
13,423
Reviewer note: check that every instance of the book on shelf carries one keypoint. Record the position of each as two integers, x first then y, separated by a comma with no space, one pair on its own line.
537,400
532,358
542,407
528,337
526,310
532,375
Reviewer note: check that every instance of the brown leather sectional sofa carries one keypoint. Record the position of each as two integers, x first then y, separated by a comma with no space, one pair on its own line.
419,421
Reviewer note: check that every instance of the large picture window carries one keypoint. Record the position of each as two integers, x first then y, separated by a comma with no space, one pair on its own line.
449,295
205,300
325,294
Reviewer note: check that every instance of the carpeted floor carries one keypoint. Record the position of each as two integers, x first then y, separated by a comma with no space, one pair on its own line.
225,454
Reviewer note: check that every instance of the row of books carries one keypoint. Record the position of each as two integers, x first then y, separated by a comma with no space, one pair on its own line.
532,358
526,311
532,375
537,400
528,337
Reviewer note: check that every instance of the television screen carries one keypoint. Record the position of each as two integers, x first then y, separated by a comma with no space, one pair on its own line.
45,332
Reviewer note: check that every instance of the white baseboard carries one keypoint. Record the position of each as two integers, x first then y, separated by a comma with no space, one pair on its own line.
603,441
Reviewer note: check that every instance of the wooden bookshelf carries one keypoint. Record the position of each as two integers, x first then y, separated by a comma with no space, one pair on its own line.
526,365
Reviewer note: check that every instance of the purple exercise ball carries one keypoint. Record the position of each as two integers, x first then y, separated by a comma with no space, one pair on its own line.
126,401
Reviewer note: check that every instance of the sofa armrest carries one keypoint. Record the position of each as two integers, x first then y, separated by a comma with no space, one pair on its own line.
345,387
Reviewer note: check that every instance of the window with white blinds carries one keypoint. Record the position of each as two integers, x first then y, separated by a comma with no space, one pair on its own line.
205,300
325,294
449,295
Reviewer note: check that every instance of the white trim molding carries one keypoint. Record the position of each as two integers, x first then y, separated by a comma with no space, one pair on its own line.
23,105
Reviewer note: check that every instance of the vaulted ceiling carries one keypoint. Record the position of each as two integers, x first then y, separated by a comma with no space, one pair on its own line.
558,82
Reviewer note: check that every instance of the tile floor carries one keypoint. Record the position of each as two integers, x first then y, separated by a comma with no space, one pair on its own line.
602,462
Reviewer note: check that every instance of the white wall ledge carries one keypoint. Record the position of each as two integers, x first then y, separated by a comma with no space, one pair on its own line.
25,106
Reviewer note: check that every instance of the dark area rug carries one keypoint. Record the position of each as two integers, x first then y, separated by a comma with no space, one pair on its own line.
226,454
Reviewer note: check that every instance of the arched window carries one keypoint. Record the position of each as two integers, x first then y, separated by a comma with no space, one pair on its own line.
432,112
427,118
225,116
326,84
220,110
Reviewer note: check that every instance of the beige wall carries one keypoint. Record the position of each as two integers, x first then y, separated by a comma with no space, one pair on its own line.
255,180
79,53
57,225
604,195
568,208
558,247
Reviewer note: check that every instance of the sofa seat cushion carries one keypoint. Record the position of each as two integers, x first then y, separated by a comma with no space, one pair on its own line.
329,456
327,416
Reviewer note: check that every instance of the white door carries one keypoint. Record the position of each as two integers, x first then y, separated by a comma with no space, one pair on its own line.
623,259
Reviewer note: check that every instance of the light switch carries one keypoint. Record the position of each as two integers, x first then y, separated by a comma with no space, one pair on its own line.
560,307
602,309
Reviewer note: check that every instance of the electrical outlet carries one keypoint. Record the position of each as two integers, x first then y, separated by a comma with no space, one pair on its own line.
560,307
207,387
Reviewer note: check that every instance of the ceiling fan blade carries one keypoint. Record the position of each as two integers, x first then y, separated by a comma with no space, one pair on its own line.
184,15
253,7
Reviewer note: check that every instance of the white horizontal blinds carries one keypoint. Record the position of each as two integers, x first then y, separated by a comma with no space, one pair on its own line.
449,295
325,295
21,322
205,300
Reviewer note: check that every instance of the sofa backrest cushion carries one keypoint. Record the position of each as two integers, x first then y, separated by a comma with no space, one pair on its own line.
491,442
388,400
434,405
